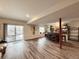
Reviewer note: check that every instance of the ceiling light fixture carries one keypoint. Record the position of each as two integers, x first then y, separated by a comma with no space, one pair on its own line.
27,15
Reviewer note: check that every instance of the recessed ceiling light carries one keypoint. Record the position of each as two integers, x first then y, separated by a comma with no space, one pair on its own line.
27,15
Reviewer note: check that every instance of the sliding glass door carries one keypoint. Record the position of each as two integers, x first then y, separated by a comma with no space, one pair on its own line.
19,33
14,32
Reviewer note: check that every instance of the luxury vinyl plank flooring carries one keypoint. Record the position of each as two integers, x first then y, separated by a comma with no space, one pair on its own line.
41,49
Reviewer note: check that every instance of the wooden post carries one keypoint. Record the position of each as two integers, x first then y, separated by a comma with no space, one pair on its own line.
60,33
78,34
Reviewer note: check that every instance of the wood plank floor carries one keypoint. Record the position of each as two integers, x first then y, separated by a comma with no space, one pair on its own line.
41,49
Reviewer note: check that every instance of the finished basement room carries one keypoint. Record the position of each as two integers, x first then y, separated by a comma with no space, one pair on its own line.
39,29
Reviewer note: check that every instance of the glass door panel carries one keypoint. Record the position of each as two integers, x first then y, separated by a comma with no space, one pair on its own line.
19,33
10,33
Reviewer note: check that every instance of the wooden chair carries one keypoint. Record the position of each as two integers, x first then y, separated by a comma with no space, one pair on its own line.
2,50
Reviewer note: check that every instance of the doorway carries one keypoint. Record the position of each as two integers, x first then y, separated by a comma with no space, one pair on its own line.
14,33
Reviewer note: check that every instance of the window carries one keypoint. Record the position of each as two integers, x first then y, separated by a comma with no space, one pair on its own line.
41,30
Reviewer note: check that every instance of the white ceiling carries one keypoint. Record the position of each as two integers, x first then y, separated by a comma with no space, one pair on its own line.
67,14
18,9
39,11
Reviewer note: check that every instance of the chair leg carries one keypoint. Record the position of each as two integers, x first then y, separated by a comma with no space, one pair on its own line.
3,52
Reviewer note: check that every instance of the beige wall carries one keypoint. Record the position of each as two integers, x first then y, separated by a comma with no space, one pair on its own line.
28,31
